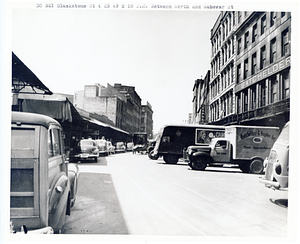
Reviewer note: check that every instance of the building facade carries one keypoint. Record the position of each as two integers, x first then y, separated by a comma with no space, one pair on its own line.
103,101
250,70
147,120
200,113
263,62
120,104
222,82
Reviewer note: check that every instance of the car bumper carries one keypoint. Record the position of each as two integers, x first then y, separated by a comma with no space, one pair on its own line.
272,184
45,230
85,156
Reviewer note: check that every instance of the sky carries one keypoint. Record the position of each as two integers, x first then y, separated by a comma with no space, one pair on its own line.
160,53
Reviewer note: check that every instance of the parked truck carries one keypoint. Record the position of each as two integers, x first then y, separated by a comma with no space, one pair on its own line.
245,146
173,140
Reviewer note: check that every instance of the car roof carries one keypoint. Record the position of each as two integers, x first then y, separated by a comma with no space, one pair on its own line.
32,119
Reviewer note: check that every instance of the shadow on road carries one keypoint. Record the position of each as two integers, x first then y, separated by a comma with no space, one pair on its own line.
280,202
97,209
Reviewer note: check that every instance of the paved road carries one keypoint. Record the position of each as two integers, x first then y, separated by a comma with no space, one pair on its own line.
131,194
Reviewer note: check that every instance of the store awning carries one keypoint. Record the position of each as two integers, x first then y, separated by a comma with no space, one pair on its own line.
23,77
62,111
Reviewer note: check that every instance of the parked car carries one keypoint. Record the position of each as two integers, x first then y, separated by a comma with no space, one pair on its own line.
102,147
85,150
43,185
111,148
120,147
277,163
129,146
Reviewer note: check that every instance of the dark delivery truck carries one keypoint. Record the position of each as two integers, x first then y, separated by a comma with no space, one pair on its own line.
172,140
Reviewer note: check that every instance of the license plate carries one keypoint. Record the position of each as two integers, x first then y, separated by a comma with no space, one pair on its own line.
84,155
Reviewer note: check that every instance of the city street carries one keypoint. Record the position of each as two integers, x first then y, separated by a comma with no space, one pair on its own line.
129,194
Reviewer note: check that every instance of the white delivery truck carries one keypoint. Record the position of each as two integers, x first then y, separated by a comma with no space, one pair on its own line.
246,146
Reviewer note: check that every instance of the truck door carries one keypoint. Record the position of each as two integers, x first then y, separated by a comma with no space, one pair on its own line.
222,151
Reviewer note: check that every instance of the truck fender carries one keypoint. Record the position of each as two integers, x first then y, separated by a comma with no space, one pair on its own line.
203,154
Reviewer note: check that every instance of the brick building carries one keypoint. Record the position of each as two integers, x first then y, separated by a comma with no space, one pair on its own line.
250,69
200,113
146,120
120,104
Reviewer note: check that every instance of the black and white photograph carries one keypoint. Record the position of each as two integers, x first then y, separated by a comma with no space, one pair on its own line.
149,121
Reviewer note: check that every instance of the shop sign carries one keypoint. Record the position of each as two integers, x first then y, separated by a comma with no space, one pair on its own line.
272,69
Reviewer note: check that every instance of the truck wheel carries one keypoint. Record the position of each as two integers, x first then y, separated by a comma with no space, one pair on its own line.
256,166
151,155
199,163
244,167
171,159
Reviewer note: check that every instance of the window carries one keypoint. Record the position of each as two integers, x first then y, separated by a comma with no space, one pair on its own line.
245,101
246,39
239,73
254,33
239,46
239,103
166,139
253,97
263,57
282,14
263,24
272,18
274,90
254,64
263,93
273,50
286,84
246,73
239,16
285,42
221,144
223,56
229,49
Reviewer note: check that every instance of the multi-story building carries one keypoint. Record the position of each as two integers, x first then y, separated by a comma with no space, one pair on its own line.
146,120
263,62
103,101
134,109
222,83
250,68
200,113
120,104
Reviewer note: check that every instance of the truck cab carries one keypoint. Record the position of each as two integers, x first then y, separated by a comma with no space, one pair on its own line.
40,194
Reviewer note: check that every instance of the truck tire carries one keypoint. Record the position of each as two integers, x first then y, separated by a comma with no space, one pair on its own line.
256,166
199,163
171,159
151,155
